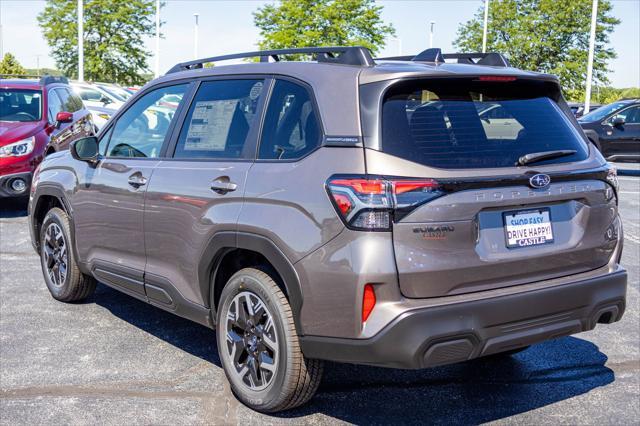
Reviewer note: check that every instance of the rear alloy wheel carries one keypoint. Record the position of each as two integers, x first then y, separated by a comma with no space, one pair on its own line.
252,342
259,347
61,274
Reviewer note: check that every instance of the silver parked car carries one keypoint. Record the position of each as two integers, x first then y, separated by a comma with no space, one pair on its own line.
345,208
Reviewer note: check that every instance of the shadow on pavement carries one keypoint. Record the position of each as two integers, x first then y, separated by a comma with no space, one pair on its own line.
477,391
11,207
474,392
179,332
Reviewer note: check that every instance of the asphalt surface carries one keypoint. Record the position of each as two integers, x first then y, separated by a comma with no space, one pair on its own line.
115,360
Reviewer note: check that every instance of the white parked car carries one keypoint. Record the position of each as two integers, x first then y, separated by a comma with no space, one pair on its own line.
100,115
94,96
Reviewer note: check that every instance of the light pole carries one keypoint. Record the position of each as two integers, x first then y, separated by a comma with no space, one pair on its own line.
157,58
80,41
432,24
484,28
38,64
592,45
195,37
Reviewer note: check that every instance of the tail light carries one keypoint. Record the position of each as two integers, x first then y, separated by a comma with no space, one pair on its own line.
372,203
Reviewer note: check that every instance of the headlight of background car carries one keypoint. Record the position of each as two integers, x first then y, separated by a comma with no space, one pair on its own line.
16,149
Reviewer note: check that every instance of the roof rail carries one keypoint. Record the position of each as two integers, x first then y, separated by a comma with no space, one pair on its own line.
50,79
490,58
350,55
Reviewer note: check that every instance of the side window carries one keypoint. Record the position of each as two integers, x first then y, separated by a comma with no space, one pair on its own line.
630,115
141,130
54,106
219,120
70,102
104,141
75,103
291,128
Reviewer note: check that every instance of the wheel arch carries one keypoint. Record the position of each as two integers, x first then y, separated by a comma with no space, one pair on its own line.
48,196
224,244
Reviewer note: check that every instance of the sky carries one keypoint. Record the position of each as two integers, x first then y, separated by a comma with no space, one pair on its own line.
227,27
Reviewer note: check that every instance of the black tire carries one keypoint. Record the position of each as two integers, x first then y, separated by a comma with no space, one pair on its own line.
75,285
296,378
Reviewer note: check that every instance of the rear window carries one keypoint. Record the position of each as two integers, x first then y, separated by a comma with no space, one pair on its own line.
20,105
464,123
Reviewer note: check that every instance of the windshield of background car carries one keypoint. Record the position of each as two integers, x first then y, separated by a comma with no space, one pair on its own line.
120,92
114,92
602,112
20,105
470,123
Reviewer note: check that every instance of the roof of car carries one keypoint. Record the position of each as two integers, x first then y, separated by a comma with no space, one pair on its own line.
32,82
22,83
355,62
382,70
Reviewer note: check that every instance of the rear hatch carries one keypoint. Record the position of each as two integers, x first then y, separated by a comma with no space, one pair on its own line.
491,216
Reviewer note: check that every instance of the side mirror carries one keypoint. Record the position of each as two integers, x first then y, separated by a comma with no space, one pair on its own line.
105,101
63,117
85,149
618,121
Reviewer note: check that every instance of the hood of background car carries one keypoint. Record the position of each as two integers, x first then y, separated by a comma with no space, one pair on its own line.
11,131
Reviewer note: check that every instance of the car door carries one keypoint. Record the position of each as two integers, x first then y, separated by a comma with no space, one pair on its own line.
198,191
109,201
624,138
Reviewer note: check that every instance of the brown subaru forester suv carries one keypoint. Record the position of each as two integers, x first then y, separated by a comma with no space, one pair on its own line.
402,212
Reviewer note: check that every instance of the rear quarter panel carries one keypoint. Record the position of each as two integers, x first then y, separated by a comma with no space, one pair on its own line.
287,201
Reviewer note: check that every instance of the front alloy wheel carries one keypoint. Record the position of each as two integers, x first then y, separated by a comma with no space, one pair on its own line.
56,256
64,279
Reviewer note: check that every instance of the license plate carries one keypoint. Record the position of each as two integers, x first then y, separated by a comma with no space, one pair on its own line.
528,228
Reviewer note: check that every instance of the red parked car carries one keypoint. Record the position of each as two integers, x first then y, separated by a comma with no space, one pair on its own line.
37,118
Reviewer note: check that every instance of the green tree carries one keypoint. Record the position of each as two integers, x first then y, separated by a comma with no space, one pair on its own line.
547,36
307,23
10,65
114,34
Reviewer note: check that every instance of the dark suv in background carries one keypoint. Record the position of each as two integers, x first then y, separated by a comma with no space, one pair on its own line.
347,209
37,117
615,129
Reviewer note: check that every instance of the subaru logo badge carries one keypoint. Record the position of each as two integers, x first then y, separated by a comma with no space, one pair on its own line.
539,181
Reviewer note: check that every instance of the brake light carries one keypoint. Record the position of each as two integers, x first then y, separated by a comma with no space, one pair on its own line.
374,186
371,203
402,186
368,301
496,78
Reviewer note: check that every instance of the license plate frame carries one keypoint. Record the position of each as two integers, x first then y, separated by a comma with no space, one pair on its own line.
543,211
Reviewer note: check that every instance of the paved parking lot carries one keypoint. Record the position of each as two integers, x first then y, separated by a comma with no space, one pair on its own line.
115,360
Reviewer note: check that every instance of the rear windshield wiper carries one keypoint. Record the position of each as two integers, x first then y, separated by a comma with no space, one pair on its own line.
534,157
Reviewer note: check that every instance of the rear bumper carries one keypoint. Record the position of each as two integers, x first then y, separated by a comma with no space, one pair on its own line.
452,333
5,184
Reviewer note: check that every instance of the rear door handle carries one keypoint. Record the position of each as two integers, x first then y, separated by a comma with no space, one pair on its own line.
222,185
137,180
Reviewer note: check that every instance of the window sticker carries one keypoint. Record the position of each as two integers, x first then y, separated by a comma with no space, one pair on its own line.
255,91
209,126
